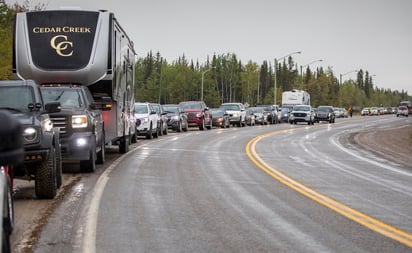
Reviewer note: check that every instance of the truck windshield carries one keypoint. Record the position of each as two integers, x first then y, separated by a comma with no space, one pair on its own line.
68,98
16,98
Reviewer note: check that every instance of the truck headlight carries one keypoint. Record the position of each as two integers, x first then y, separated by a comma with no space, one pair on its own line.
79,121
30,134
46,125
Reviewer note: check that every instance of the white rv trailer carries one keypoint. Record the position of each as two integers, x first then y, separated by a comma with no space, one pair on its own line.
82,48
295,97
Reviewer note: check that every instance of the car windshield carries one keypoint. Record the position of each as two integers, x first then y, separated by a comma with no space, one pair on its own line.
191,106
257,109
301,108
68,98
170,109
16,98
217,113
231,107
323,109
141,109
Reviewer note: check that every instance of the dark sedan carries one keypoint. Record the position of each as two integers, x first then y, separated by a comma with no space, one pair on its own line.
220,118
325,113
176,117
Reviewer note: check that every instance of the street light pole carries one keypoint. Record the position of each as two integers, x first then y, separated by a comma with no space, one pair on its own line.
203,74
340,77
276,64
307,65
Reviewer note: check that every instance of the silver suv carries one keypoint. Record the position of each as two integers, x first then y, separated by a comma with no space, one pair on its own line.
237,113
146,120
302,113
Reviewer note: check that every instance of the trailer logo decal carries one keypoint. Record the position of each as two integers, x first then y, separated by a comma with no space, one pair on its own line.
62,47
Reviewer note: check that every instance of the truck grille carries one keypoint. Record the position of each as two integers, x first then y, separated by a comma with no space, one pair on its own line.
61,123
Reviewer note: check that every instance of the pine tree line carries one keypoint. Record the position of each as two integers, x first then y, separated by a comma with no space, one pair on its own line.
227,79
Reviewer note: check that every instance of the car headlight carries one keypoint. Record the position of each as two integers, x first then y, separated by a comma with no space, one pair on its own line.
175,117
145,120
30,134
46,125
198,115
79,121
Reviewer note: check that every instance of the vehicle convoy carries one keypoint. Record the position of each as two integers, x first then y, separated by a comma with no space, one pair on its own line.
237,113
295,97
42,153
198,114
73,51
84,139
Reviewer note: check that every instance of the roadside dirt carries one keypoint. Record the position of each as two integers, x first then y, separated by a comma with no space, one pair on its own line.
392,144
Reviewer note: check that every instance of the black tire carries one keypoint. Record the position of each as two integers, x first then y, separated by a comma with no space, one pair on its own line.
156,133
59,166
8,220
185,128
45,181
101,155
149,133
5,245
133,138
202,126
165,132
179,127
90,165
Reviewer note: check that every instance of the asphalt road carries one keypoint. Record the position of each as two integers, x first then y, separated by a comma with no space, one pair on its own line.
281,188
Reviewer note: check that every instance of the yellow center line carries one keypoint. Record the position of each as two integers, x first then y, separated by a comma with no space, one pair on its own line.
359,217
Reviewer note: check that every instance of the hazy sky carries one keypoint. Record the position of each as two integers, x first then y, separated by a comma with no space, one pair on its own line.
373,35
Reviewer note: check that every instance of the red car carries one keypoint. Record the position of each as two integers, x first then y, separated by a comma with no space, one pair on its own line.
198,114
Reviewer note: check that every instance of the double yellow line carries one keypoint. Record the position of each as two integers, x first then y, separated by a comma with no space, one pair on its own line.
361,218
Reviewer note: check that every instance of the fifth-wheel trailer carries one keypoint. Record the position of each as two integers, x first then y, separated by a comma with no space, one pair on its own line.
79,47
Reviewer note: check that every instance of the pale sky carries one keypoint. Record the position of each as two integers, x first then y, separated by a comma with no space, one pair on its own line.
373,35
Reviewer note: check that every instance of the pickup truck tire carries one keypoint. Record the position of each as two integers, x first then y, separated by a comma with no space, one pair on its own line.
45,180
8,221
101,158
59,166
90,165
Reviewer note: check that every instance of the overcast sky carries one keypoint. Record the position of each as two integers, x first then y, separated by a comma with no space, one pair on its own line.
373,35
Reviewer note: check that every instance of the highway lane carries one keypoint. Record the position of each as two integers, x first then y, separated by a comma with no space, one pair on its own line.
200,192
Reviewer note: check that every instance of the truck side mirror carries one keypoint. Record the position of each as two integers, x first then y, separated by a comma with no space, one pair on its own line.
52,107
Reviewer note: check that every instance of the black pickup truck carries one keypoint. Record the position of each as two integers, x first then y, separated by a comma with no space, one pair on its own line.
81,124
42,153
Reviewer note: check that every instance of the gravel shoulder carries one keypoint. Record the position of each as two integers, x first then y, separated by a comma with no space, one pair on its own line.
392,144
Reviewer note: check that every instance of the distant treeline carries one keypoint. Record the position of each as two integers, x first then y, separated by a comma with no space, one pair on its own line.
227,79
